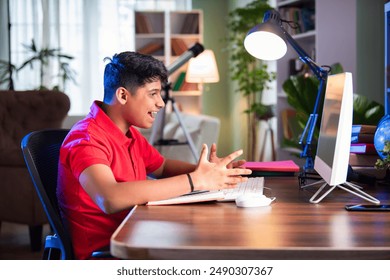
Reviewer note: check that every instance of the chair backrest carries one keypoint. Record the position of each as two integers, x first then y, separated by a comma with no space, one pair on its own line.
41,151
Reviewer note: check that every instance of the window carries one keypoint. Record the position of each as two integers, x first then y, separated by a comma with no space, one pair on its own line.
88,30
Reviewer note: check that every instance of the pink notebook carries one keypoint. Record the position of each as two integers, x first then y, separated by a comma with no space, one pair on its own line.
278,166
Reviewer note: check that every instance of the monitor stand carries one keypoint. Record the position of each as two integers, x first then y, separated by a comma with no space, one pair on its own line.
347,186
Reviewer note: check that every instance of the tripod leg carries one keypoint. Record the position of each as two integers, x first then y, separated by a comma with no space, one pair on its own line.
186,134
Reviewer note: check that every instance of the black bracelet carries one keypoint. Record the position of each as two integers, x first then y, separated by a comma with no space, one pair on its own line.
190,180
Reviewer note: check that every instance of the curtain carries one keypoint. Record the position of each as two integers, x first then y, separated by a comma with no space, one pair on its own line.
4,35
88,30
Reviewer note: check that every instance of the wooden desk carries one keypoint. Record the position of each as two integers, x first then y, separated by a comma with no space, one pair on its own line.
291,228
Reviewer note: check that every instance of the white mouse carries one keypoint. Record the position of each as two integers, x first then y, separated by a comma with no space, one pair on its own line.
253,200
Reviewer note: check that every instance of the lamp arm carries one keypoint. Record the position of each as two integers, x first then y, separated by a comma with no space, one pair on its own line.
321,74
318,71
308,132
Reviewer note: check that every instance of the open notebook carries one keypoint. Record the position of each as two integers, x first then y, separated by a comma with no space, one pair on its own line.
253,185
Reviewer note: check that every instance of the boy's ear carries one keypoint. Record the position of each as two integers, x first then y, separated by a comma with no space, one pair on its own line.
121,95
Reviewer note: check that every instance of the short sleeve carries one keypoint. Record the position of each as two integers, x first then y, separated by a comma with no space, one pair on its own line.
83,152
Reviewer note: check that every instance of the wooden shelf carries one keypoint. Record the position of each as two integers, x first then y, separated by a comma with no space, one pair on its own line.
167,35
306,35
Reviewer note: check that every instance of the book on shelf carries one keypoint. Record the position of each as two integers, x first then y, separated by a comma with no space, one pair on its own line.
362,138
363,148
179,81
304,17
308,19
363,128
151,48
178,46
186,86
142,24
190,24
363,159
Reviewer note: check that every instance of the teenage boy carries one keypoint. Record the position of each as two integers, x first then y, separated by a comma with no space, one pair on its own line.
104,160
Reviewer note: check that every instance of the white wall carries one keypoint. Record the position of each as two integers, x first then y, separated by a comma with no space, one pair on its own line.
336,34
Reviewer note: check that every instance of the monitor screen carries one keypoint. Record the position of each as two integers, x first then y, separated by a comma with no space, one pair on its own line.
334,141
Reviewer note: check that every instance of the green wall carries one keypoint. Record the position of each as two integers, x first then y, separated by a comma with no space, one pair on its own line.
221,99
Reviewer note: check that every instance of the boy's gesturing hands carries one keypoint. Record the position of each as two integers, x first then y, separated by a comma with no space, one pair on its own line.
218,173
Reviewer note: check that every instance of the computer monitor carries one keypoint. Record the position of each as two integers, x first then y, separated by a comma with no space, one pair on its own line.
332,158
334,141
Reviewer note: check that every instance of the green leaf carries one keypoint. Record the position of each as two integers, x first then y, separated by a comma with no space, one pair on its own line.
251,74
337,68
366,111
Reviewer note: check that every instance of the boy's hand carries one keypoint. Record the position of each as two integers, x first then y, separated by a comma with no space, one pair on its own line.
214,158
216,175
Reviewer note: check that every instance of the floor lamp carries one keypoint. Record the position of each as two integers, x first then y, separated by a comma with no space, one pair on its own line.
268,41
202,69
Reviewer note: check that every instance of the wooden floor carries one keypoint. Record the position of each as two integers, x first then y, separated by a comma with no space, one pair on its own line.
15,242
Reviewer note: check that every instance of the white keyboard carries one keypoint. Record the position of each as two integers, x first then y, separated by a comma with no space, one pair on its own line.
253,185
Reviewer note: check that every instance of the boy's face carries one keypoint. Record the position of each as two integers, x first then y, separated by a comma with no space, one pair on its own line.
142,107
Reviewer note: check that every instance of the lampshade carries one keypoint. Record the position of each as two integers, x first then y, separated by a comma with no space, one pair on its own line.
203,68
266,40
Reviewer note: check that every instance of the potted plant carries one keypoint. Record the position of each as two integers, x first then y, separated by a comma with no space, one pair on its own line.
43,57
250,73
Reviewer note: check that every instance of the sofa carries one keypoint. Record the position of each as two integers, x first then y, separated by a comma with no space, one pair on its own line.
20,113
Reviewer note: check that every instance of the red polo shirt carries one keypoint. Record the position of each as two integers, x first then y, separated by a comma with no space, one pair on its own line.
97,140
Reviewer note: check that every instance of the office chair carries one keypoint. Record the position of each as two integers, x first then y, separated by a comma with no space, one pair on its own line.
41,150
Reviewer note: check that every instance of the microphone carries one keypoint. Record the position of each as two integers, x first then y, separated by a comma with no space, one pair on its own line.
187,55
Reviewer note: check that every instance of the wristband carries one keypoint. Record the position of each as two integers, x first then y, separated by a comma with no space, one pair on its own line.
190,180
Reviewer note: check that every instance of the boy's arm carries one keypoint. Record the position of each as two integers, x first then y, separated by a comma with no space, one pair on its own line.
171,167
112,196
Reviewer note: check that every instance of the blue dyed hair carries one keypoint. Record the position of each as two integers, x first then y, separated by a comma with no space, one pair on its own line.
131,70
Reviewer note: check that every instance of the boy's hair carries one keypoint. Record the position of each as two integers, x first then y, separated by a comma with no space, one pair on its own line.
131,70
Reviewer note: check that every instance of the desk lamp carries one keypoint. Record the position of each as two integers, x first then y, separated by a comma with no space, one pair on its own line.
202,69
267,41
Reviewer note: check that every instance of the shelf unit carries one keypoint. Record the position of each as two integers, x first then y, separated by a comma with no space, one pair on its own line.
306,39
333,40
167,35
289,63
